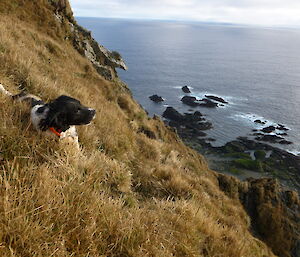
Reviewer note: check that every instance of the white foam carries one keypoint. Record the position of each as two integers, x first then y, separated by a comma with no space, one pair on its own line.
232,100
294,152
251,117
180,87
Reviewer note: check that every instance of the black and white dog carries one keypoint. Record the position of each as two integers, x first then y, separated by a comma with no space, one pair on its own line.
59,116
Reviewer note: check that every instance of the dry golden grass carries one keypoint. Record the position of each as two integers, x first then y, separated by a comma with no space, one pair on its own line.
123,193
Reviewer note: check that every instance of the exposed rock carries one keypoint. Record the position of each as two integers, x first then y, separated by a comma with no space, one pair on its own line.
234,146
282,134
285,142
274,211
193,117
172,114
216,98
63,6
190,100
269,138
282,127
207,103
103,60
260,122
210,139
268,129
189,125
156,98
186,89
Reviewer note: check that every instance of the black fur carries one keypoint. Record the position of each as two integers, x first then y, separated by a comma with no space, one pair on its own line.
64,112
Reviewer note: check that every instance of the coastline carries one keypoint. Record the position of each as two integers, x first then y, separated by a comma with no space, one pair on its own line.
243,157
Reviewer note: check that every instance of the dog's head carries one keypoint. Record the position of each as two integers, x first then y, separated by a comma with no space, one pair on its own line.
66,111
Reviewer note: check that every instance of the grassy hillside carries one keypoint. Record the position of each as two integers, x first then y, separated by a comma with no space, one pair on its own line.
133,189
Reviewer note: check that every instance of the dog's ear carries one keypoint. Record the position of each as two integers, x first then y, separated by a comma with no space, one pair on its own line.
54,119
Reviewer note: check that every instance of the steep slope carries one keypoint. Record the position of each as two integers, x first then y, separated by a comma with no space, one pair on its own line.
134,189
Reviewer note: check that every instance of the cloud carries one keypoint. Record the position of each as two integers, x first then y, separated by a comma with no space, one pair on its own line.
255,12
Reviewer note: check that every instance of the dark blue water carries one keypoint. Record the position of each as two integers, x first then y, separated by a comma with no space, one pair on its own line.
257,70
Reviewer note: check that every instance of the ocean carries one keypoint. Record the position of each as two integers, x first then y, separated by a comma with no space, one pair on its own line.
257,70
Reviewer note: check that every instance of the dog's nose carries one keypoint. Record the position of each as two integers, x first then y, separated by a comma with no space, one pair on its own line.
92,111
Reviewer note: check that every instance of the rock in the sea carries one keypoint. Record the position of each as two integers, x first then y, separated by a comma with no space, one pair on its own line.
194,117
269,138
260,122
285,142
268,129
156,98
186,89
282,127
190,100
172,114
207,103
282,134
210,139
216,98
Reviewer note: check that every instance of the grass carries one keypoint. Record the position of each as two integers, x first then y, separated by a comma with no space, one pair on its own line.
123,193
248,164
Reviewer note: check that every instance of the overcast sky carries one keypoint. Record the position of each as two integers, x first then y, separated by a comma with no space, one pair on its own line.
253,12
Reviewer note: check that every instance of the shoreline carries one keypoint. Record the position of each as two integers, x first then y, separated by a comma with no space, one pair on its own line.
234,159
242,157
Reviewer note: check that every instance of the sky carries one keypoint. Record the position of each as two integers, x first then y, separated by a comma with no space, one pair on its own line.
251,12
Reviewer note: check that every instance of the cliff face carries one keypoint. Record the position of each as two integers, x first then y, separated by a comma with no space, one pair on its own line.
133,189
274,211
102,59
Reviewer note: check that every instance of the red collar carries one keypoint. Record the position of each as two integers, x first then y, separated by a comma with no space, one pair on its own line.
53,130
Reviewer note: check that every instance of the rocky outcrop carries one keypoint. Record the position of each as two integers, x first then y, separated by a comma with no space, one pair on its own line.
216,98
190,101
186,89
189,125
207,103
103,60
156,98
268,129
259,121
193,102
172,114
274,212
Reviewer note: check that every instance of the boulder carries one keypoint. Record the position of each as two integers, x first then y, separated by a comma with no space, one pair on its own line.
260,122
282,134
285,142
190,100
269,138
172,114
193,117
156,98
282,127
268,129
186,89
207,103
216,98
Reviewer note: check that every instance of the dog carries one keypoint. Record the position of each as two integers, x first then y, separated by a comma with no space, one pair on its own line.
59,116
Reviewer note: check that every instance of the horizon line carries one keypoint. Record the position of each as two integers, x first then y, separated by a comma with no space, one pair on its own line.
195,21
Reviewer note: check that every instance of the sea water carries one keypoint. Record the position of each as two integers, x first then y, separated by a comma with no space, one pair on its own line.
257,70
